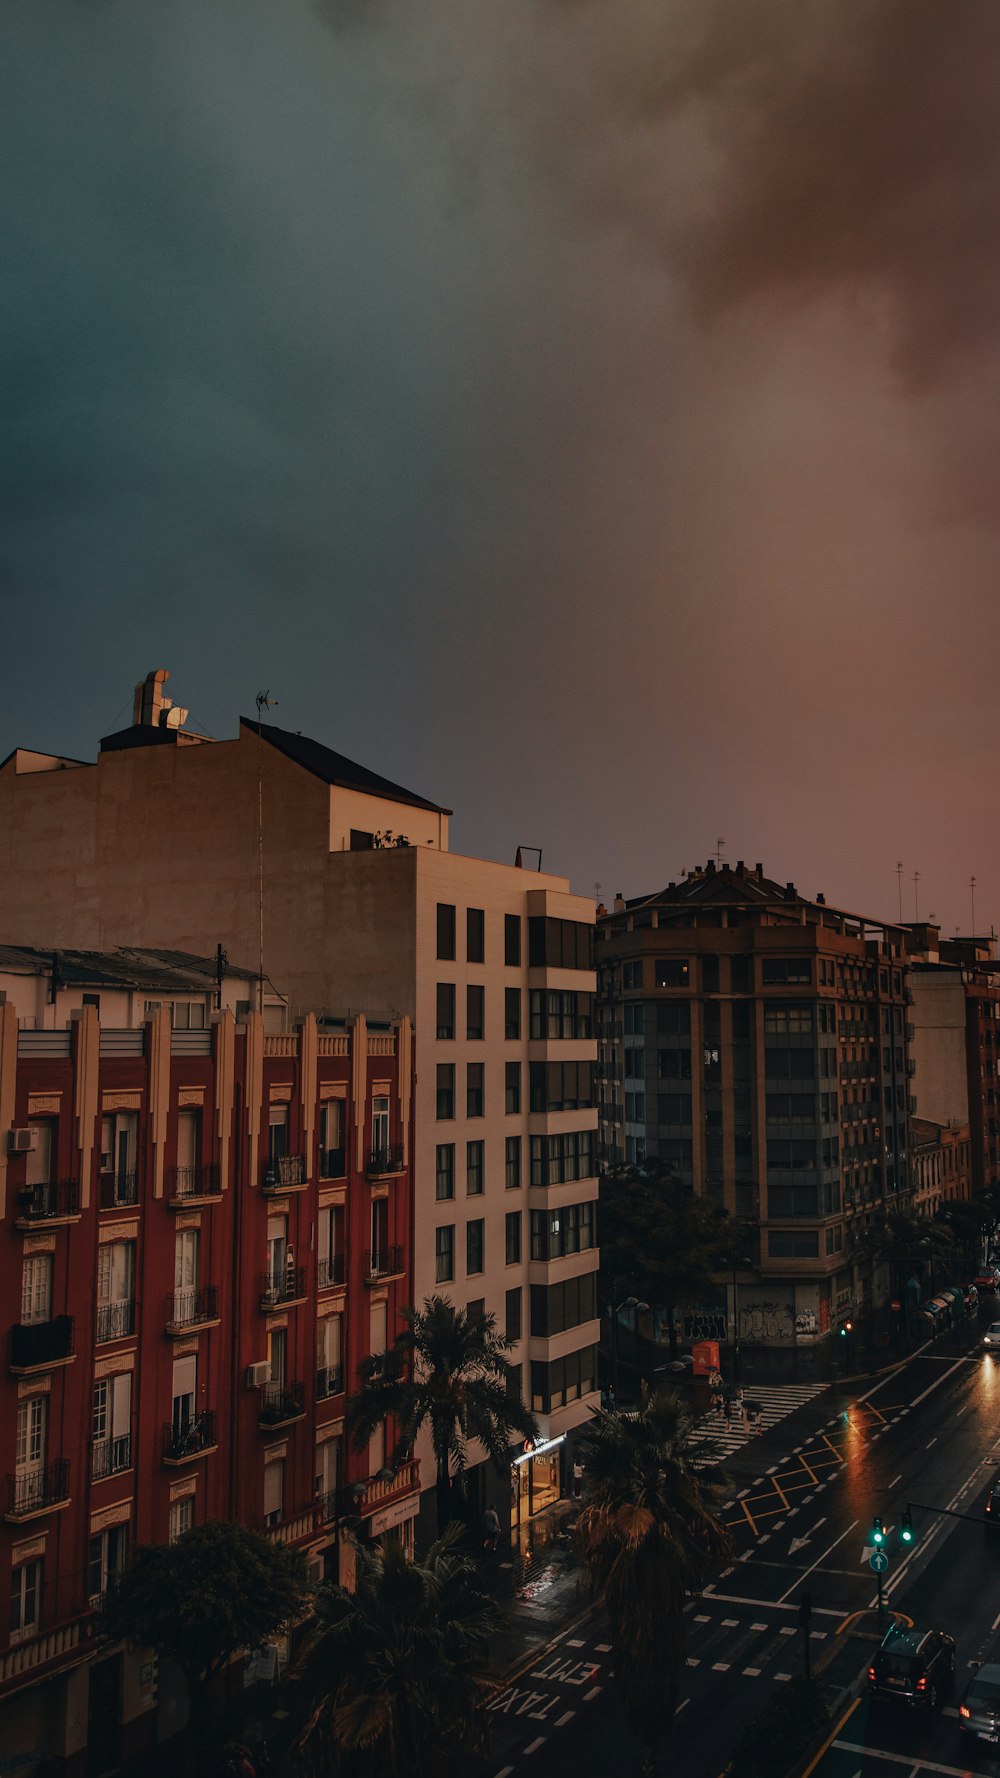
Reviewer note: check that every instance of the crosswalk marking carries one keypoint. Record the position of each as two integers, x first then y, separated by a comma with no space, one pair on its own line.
720,1437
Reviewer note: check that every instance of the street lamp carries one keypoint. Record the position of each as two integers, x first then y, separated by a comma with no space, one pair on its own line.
737,1262
629,1302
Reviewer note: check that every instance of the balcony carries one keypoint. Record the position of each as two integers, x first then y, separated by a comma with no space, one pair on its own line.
109,1456
115,1321
330,1272
187,1439
386,1262
286,1172
35,1345
56,1201
281,1403
329,1381
384,1160
194,1185
187,1309
333,1163
118,1190
285,1286
389,1483
38,1491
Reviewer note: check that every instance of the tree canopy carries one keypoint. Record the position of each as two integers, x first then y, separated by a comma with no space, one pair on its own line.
659,1241
398,1668
218,1589
447,1371
649,1533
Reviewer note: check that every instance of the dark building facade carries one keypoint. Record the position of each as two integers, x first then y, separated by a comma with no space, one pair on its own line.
757,1041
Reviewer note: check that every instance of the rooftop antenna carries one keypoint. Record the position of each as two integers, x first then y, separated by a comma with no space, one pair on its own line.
916,903
899,886
718,852
263,701
972,891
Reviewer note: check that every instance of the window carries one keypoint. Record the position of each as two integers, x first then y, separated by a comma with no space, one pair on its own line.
512,940
277,1252
674,1064
274,1490
673,972
444,1181
558,1232
566,1379
512,1314
181,1518
512,1013
562,1012
444,1254
361,840
474,1247
36,1288
111,1425
632,974
41,1160
25,1599
792,1244
789,1064
445,931
380,1126
512,1163
474,1089
115,1290
475,1012
778,970
556,1307
446,1009
445,1089
673,1018
779,1018
556,1159
277,1354
474,1168
559,944
674,1109
332,1151
512,1237
794,1154
183,1394
188,1015
30,1449
380,1256
475,926
119,1137
475,1310
512,1087
186,1244
330,1267
328,1468
561,1086
277,1136
329,1360
106,1558
710,975
741,975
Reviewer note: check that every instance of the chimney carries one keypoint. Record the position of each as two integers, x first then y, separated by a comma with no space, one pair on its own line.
789,891
710,867
821,899
619,903
741,869
150,708
759,868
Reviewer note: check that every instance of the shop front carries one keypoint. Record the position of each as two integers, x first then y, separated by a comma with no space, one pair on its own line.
536,1478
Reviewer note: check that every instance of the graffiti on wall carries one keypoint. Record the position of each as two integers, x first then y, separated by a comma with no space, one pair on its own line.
766,1322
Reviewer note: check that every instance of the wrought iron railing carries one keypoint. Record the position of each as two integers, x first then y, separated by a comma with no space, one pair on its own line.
329,1381
115,1321
332,1270
384,1262
109,1455
41,1342
332,1163
280,1402
118,1190
185,1308
32,1490
283,1286
194,1182
384,1160
58,1197
286,1170
185,1438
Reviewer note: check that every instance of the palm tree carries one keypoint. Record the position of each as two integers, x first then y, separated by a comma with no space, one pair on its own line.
447,1371
397,1668
648,1534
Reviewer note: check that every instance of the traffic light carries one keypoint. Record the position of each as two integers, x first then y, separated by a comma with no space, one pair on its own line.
845,1328
878,1532
906,1525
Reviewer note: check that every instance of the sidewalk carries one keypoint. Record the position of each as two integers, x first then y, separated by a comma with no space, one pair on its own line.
539,1585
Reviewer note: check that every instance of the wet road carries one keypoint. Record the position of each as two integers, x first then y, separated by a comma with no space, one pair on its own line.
929,1434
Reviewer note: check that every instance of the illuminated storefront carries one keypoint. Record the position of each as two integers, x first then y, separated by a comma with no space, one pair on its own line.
536,1479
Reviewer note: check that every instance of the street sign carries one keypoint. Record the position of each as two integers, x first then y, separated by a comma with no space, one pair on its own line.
879,1561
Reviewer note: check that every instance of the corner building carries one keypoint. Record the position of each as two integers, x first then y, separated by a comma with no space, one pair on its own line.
364,904
757,1041
204,1227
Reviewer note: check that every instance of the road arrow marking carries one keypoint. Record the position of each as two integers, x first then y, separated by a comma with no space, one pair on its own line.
799,1543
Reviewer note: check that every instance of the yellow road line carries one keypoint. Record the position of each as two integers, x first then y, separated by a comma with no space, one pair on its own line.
831,1738
833,1448
749,1514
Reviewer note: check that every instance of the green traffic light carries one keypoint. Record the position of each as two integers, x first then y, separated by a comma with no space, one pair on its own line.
878,1532
906,1525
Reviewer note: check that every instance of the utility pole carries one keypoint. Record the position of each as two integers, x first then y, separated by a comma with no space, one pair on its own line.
899,886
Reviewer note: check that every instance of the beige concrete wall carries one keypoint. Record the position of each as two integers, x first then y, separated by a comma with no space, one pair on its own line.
940,1081
373,814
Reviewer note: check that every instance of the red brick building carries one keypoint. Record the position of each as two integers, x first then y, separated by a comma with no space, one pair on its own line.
204,1226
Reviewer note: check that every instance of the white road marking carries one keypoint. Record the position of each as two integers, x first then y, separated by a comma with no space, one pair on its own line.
787,1630
720,1666
702,1620
504,1772
730,1623
777,1604
594,1692
567,1716
751,1672
995,1624
682,1705
533,1746
932,1441
604,1648
575,1642
902,1759
895,1479
782,1677
851,1527
759,1626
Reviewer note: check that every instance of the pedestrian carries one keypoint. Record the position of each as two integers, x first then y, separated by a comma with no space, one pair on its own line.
754,1413
491,1528
715,1378
727,1408
577,1480
717,1401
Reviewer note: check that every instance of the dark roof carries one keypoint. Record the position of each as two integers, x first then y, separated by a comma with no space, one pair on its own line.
333,768
125,967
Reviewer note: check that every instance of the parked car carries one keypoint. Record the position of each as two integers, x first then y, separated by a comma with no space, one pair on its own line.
987,1278
913,1666
991,1510
992,1335
979,1711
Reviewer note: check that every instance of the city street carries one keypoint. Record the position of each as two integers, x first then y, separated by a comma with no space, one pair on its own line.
928,1434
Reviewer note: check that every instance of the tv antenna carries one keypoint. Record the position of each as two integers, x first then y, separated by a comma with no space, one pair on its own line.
899,886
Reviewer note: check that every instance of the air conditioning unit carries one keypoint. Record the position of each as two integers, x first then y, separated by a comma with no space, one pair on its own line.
257,1374
22,1141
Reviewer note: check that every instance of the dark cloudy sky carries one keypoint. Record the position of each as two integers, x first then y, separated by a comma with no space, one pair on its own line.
585,411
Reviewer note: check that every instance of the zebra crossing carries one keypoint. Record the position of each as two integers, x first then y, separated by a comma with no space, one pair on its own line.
716,1438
